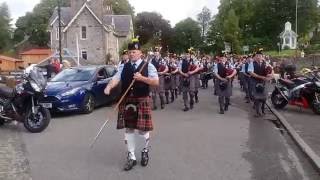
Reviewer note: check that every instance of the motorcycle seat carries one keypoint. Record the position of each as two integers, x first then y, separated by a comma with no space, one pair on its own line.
6,92
286,82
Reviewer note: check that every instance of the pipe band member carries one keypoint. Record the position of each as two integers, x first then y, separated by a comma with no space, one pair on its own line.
135,110
224,73
162,69
261,73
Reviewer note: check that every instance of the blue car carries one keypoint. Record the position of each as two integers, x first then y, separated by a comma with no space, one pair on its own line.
79,89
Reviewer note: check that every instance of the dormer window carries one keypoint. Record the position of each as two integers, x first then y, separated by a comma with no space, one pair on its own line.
83,32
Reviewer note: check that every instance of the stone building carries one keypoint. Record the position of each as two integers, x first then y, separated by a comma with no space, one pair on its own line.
100,33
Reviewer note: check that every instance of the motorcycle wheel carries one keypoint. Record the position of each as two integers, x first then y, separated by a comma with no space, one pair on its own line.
315,107
38,122
2,122
277,100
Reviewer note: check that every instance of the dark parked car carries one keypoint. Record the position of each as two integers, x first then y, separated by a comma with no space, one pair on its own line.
79,89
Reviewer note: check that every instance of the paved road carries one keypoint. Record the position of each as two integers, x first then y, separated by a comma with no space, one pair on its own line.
200,144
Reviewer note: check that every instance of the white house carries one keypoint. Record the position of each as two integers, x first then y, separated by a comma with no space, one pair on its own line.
288,37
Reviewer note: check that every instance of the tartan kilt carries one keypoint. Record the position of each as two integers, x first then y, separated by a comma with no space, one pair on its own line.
139,119
198,85
168,81
177,81
161,84
193,83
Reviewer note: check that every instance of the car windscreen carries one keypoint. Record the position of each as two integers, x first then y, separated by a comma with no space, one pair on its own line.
111,71
74,75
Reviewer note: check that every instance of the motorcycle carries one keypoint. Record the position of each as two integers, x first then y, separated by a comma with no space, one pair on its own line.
21,103
302,92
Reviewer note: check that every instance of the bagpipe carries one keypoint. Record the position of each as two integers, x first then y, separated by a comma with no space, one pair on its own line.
192,67
161,68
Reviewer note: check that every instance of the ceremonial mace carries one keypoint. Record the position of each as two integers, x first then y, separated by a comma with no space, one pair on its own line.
117,106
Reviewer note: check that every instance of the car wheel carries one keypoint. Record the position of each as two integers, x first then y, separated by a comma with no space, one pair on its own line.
88,103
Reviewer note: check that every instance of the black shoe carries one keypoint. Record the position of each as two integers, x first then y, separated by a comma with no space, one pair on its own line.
154,108
197,100
162,106
186,109
221,111
226,108
144,157
129,164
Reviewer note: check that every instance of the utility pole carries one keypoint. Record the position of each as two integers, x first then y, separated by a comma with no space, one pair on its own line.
297,29
59,19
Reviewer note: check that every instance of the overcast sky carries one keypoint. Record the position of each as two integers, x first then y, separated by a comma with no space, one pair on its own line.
173,10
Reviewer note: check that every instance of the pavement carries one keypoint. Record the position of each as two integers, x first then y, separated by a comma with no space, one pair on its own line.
199,144
13,162
307,125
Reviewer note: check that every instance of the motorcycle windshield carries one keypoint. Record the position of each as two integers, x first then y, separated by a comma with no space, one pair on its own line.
37,76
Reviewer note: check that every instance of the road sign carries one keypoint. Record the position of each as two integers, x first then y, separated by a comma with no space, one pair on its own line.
245,48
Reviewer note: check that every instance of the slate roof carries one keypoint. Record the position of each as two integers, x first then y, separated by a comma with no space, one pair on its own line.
65,15
121,22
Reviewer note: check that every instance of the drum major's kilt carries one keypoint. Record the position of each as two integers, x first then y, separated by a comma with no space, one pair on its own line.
143,122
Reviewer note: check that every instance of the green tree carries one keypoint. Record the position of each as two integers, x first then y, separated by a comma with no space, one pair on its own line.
215,37
34,24
152,28
231,30
121,7
187,33
5,30
204,18
261,21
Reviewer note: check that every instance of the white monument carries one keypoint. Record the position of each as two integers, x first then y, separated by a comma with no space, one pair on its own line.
288,37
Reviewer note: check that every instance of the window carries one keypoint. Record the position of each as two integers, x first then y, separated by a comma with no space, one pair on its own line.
57,33
102,74
111,71
84,54
83,32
